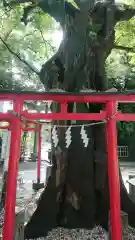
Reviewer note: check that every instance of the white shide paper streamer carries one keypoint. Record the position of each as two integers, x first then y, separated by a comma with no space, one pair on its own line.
84,136
68,137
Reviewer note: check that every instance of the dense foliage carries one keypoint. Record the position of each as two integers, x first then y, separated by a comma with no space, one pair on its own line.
24,49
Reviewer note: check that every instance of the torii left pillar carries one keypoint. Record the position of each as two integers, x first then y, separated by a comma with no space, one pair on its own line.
9,220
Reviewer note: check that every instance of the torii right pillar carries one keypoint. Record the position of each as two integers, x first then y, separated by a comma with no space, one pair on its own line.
113,172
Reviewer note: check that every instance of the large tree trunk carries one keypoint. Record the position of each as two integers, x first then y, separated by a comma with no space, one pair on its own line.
77,193
68,199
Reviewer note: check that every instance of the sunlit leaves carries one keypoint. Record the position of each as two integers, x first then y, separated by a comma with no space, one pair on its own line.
120,64
27,41
40,20
125,31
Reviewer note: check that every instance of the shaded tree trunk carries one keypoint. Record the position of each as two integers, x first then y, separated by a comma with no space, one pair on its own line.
77,193
23,145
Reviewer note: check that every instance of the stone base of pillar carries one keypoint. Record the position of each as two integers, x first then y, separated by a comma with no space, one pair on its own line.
33,157
37,186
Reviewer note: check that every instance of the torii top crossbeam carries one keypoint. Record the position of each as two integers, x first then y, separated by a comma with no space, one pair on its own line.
64,98
127,96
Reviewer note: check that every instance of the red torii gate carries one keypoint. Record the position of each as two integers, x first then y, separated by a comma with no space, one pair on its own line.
109,115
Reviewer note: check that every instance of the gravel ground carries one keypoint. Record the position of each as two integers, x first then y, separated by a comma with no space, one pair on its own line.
96,233
72,234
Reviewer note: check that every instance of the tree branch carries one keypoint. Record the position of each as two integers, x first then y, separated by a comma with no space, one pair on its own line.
45,41
15,2
19,57
55,9
126,14
128,49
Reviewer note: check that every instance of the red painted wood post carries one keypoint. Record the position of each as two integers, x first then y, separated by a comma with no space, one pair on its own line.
9,220
113,172
39,155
